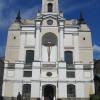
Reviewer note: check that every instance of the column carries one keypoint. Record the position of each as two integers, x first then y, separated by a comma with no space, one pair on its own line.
61,43
37,43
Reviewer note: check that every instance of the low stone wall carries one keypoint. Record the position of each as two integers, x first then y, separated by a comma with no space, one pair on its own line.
9,98
75,99
12,98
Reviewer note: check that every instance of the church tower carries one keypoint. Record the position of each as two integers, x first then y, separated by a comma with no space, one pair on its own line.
50,6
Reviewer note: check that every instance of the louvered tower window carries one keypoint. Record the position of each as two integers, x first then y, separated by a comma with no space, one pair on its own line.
50,7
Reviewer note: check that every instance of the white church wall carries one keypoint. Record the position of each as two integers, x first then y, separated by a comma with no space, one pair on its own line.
79,72
53,56
30,39
44,53
22,50
62,74
53,53
68,40
44,73
76,48
80,90
29,28
62,90
19,71
35,89
35,74
17,88
44,23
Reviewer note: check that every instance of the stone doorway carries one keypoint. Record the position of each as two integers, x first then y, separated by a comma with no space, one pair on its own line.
49,92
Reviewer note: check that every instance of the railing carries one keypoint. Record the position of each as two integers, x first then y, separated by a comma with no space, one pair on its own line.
86,66
48,64
70,66
11,65
28,66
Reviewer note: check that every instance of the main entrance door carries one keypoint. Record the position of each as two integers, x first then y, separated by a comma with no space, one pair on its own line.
49,92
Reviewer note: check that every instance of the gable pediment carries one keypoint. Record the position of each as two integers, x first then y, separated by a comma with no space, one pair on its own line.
54,17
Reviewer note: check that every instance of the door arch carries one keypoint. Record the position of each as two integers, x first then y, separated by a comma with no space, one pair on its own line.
49,92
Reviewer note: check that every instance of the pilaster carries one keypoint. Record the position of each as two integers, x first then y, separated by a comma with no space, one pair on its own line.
37,46
61,41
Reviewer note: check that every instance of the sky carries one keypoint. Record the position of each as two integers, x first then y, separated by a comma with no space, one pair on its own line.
70,8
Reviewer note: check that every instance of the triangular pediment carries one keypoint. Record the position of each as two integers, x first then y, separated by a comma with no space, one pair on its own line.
50,16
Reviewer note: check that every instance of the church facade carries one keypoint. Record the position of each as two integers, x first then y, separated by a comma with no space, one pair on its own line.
49,57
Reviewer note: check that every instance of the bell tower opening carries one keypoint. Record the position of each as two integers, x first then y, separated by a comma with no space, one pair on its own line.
50,6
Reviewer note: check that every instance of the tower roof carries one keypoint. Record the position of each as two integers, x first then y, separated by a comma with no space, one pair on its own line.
18,17
81,19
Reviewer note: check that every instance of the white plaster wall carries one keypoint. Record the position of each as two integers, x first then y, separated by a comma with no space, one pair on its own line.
53,54
79,72
44,53
80,90
76,48
19,71
22,49
28,28
62,90
17,88
62,74
35,74
71,30
68,40
44,73
44,23
30,39
35,89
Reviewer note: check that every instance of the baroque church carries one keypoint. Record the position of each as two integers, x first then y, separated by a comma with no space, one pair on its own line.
49,57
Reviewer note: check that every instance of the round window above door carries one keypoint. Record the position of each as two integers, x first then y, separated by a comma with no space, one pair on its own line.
50,22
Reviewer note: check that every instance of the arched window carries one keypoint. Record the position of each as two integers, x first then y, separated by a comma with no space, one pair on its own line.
26,94
50,7
71,91
68,57
29,56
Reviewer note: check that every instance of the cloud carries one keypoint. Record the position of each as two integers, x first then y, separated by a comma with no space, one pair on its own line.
31,13
5,13
69,6
2,51
96,51
8,14
96,48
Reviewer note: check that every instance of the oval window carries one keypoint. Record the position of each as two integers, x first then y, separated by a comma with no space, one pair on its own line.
50,22
49,74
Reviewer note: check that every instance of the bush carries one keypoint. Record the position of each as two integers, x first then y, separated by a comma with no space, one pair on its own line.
94,97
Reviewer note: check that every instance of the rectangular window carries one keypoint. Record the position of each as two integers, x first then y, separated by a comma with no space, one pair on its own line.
71,90
68,57
27,74
29,56
70,74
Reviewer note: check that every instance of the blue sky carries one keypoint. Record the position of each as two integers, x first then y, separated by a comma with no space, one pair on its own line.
70,8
